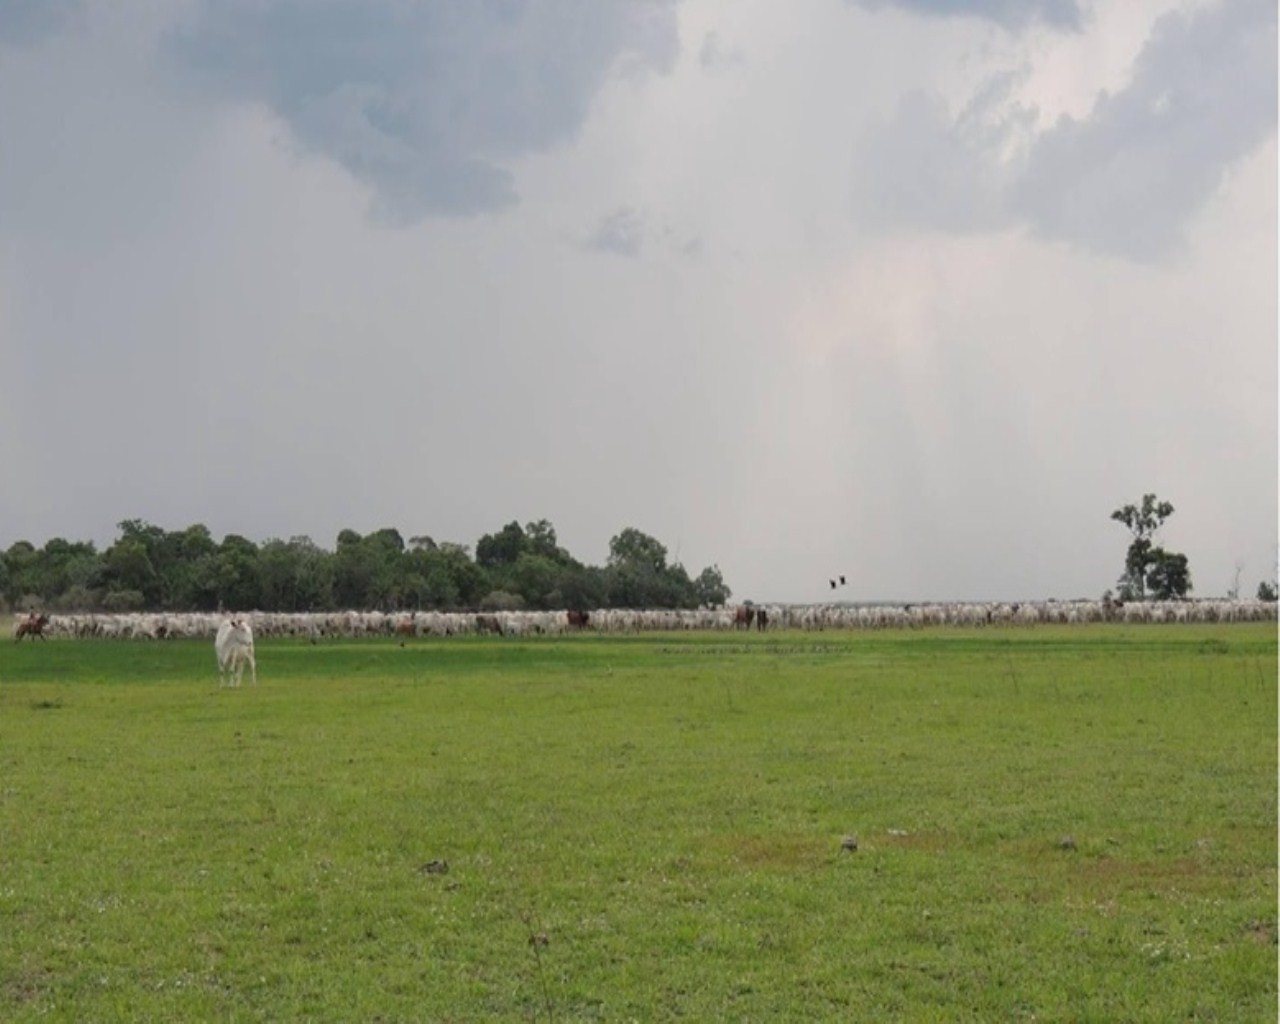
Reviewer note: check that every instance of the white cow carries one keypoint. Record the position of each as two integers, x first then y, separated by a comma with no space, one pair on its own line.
234,647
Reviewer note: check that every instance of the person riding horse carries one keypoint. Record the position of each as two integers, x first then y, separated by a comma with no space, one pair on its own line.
32,626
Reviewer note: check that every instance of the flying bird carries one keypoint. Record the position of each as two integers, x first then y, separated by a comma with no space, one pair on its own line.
833,584
842,581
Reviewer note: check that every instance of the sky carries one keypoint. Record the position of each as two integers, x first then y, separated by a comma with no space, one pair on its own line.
912,291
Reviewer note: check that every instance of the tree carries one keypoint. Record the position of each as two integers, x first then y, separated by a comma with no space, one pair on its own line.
469,580
353,571
239,579
632,549
1168,576
1233,592
150,568
582,587
392,585
710,589
314,579
22,571
141,542
638,575
1144,564
535,579
189,569
438,589
278,574
1266,591
502,548
62,565
540,539
129,569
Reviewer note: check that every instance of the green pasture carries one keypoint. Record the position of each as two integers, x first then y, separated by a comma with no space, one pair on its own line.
1072,824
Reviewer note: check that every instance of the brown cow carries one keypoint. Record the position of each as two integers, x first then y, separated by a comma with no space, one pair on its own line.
743,617
578,619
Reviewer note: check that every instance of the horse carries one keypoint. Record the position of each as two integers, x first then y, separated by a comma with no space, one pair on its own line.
32,626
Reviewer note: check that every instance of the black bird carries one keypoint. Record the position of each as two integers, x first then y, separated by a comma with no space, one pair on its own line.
833,584
842,581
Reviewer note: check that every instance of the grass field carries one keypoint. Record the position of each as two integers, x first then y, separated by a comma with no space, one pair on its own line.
1052,824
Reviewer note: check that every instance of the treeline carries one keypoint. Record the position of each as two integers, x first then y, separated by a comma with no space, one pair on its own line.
518,567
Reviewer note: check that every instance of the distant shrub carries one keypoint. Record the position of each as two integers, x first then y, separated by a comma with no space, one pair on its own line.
77,598
123,601
501,601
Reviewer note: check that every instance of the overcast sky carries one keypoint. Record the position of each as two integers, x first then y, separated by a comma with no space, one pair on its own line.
909,290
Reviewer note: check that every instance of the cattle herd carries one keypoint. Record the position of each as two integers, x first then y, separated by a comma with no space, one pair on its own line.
320,625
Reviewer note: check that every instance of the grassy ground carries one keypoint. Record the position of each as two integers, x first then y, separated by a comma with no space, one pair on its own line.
1074,824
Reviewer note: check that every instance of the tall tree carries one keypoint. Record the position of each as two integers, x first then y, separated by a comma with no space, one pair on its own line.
239,573
501,548
129,567
710,587
1146,566
638,575
1168,576
632,549
540,539
535,578
22,575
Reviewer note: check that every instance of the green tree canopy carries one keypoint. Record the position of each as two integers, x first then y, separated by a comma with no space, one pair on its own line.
637,551
710,587
502,548
1147,567
1167,575
188,570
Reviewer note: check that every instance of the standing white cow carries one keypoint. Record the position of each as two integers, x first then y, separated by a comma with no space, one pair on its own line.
234,647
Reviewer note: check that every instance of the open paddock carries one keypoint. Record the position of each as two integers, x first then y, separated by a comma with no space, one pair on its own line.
946,823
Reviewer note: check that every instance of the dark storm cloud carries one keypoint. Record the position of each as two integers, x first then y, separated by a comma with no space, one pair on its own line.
425,102
1124,180
621,233
629,232
29,21
1127,178
1012,14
